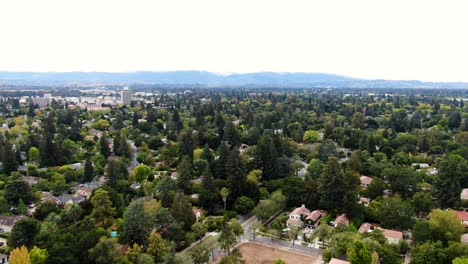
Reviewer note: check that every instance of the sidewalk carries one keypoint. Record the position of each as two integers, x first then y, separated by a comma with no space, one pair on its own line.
288,245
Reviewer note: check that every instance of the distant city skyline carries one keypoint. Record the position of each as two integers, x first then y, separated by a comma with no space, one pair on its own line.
393,40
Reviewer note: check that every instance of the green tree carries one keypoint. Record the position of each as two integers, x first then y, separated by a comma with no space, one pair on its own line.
141,172
460,260
359,253
358,120
445,226
224,194
158,247
311,136
22,208
107,250
199,229
454,120
115,171
231,135
315,168
9,158
266,156
23,233
244,204
200,255
103,211
140,218
186,145
234,258
209,198
182,211
453,171
235,174
280,261
134,251
396,213
104,146
428,253
331,187
220,163
421,232
229,234
34,154
422,203
88,173
38,256
184,179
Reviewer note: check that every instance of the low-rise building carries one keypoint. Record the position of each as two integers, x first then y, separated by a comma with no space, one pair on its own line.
464,195
463,217
365,181
341,219
301,216
392,236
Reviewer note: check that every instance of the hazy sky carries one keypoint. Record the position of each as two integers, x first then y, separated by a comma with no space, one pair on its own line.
395,39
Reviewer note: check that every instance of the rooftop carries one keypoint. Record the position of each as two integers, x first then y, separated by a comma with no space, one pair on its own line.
301,210
365,180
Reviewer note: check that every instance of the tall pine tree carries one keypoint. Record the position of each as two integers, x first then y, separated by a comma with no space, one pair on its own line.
209,198
331,187
182,211
104,146
9,158
235,174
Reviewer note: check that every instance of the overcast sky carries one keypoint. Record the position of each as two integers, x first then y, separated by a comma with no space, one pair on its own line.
395,39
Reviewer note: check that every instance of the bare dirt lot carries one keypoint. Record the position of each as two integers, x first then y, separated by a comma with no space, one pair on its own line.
255,253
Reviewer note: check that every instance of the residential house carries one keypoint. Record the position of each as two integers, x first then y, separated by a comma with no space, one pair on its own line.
341,219
464,238
7,222
365,201
365,181
49,197
65,199
464,195
463,217
313,219
392,236
297,216
365,227
84,192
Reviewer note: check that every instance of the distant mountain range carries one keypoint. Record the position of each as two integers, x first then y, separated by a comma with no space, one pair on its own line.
209,79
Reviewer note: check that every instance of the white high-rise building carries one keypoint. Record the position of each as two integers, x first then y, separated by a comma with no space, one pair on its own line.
126,96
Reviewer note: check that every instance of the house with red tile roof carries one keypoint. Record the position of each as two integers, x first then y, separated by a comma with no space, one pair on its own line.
364,228
392,236
341,219
463,217
365,181
302,216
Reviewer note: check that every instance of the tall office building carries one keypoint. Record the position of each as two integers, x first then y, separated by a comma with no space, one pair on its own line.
126,96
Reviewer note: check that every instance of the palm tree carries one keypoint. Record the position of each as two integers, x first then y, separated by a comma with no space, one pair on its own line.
224,193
